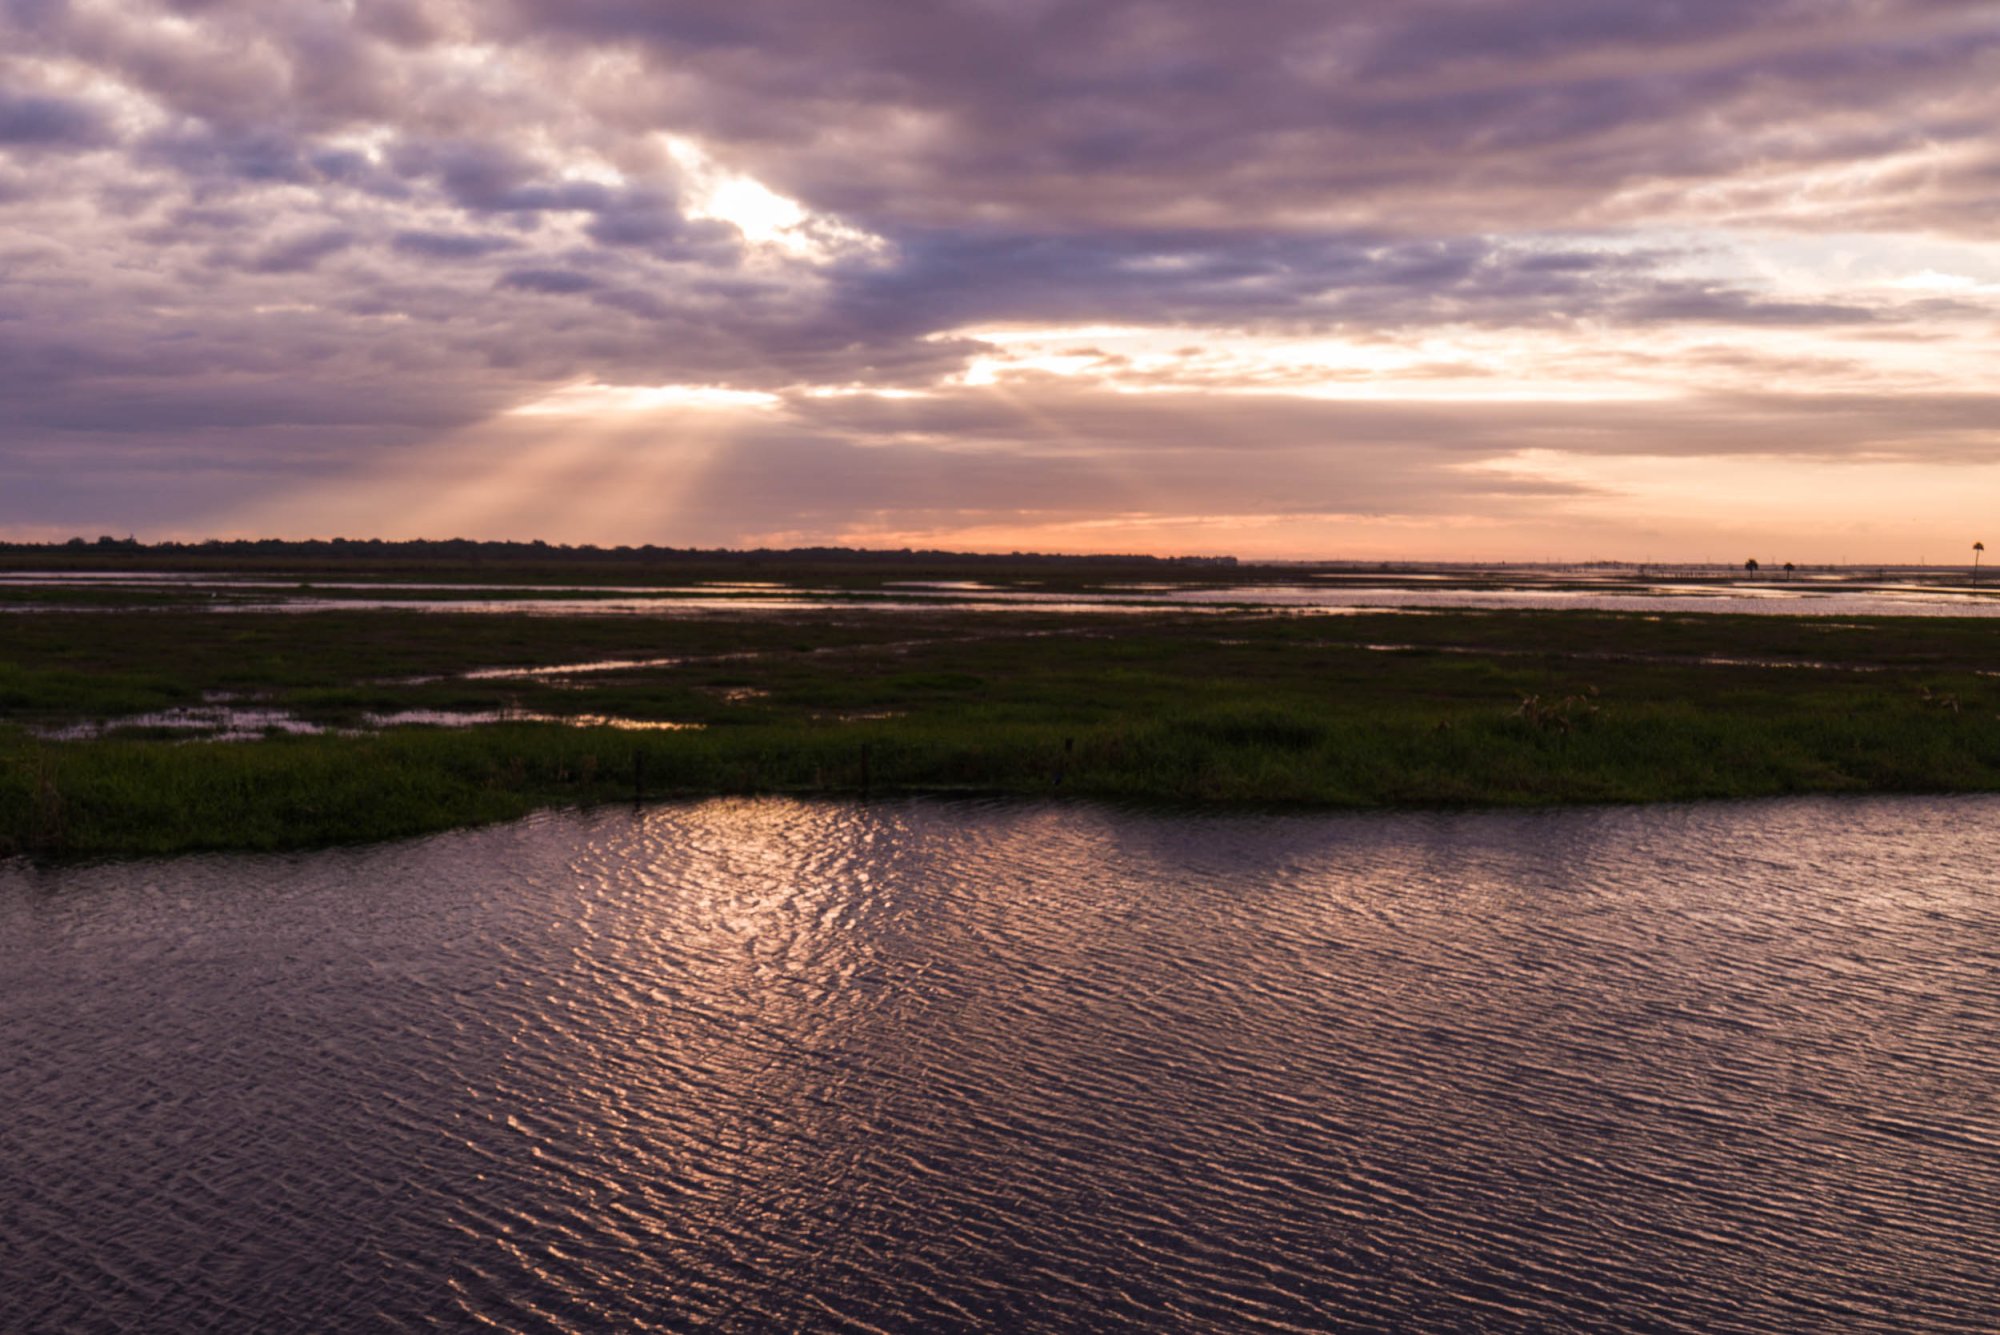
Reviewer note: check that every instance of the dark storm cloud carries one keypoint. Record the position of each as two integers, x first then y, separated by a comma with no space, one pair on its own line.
298,254
450,245
552,281
51,122
206,156
402,23
944,279
493,178
1526,111
1715,305
1526,31
650,220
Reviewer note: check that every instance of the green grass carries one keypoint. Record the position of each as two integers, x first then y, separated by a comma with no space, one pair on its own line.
1516,708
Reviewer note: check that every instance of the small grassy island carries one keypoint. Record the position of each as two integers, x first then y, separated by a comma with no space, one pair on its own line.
287,711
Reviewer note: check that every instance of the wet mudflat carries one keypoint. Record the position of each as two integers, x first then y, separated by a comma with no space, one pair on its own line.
922,1065
796,591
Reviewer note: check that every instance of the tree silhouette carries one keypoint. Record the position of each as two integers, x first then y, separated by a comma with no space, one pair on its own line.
1789,568
1751,565
1977,548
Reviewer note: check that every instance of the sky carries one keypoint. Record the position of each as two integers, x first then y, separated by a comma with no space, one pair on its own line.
1656,280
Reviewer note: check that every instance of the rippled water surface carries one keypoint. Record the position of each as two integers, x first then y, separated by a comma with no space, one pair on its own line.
750,1065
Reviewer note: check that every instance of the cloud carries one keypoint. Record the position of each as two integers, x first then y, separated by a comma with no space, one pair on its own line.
297,254
51,122
1379,243
1522,113
554,282
450,245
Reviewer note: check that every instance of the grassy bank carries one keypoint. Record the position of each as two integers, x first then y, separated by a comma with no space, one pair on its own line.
1515,708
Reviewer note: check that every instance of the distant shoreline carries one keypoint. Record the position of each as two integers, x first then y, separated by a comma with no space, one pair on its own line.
543,561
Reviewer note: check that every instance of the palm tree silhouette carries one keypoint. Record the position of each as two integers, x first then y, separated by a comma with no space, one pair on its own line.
1977,548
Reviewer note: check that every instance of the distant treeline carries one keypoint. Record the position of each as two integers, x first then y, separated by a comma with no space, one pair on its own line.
465,549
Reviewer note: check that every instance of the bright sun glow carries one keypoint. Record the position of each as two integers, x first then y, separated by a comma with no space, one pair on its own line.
756,210
767,219
592,399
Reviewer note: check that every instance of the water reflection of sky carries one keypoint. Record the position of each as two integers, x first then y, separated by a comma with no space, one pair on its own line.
1320,593
1077,1068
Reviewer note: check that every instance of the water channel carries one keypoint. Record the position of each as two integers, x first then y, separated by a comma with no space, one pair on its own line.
930,1065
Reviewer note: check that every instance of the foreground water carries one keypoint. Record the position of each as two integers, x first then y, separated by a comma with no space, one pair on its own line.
751,1065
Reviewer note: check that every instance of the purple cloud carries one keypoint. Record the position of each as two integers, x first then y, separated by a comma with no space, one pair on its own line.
51,122
287,235
555,282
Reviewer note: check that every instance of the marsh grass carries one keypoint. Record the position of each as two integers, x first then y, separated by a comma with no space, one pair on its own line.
1479,709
